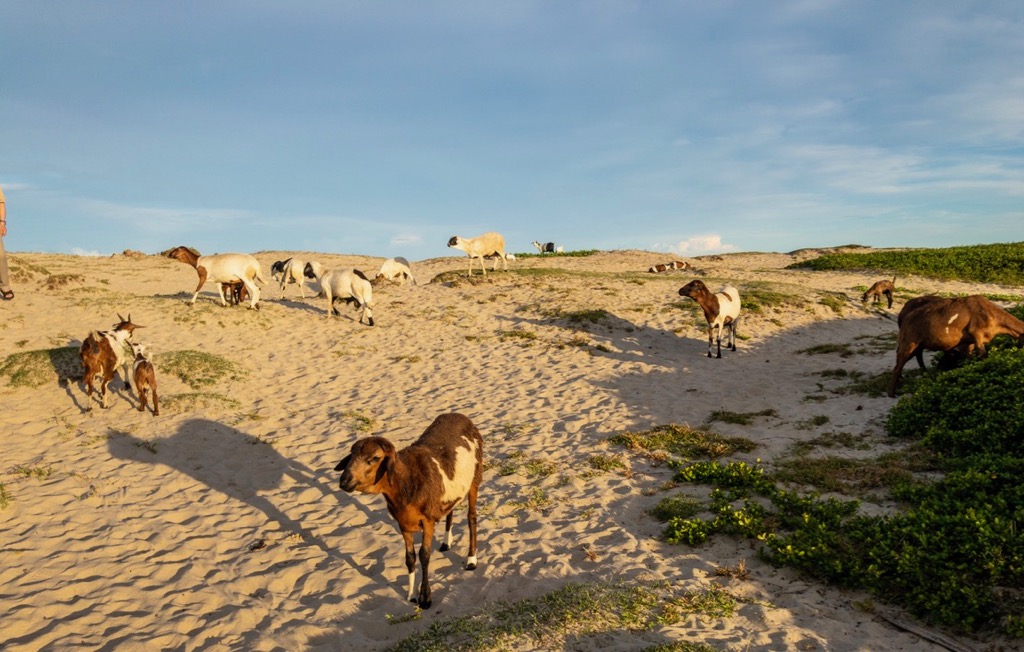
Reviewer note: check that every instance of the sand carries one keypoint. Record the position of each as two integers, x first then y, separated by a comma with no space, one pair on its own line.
219,524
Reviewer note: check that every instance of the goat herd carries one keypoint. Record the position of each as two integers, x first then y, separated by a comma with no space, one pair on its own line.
426,480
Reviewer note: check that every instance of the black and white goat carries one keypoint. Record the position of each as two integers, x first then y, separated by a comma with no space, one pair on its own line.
548,247
348,285
422,483
289,271
103,354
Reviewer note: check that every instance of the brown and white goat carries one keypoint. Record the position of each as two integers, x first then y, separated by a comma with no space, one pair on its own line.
961,325
223,268
664,267
102,354
422,483
878,289
144,374
721,310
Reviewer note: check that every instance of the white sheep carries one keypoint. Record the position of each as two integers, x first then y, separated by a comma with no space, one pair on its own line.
348,285
223,268
483,246
395,268
289,271
721,310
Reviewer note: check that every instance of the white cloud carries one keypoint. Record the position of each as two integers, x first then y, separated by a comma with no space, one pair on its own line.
401,239
77,251
701,244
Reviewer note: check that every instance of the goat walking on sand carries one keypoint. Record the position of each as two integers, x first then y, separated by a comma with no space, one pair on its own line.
483,246
348,285
289,271
422,483
144,374
721,310
223,268
102,354
878,289
965,325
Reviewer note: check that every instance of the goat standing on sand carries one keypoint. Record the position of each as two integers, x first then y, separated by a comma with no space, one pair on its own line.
964,325
422,483
348,285
483,246
883,287
145,377
102,354
548,248
289,271
223,268
721,310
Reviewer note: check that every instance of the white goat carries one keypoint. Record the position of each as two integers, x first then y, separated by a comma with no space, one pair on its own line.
223,268
395,268
348,285
482,246
289,271
721,310
548,248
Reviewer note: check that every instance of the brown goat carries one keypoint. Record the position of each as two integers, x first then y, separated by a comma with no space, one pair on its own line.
102,354
145,378
422,483
234,292
962,326
883,287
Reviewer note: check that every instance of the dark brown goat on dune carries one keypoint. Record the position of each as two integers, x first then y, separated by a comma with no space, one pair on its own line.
883,287
961,325
235,292
422,483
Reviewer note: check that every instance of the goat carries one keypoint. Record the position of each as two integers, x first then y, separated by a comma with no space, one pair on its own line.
395,268
483,246
422,483
962,325
548,248
235,292
879,288
721,310
223,268
664,267
145,377
289,271
102,354
348,285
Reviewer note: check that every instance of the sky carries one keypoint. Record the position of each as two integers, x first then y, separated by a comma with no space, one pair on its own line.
385,128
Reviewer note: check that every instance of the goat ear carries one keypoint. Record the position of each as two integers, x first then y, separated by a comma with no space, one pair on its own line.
343,463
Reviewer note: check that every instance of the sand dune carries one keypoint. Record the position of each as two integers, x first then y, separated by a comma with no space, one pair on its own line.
219,524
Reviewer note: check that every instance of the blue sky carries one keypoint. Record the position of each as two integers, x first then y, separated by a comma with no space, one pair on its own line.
384,128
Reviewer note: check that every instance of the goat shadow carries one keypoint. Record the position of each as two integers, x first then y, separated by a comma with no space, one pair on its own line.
233,463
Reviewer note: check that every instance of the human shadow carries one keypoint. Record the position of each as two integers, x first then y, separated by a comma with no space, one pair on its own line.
235,464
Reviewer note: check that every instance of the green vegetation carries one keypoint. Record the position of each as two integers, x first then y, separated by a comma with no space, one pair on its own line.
954,552
578,611
581,253
198,369
740,418
5,498
994,263
42,366
682,440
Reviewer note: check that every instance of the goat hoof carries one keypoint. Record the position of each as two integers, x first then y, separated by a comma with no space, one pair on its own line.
444,547
470,566
424,604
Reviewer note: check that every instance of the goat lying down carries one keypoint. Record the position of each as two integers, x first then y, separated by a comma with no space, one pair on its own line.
348,285
422,483
961,325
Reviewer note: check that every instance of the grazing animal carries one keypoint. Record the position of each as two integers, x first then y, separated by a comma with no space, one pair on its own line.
483,246
879,288
289,271
223,268
102,354
962,325
721,310
394,269
548,247
144,374
664,267
422,483
235,292
348,285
